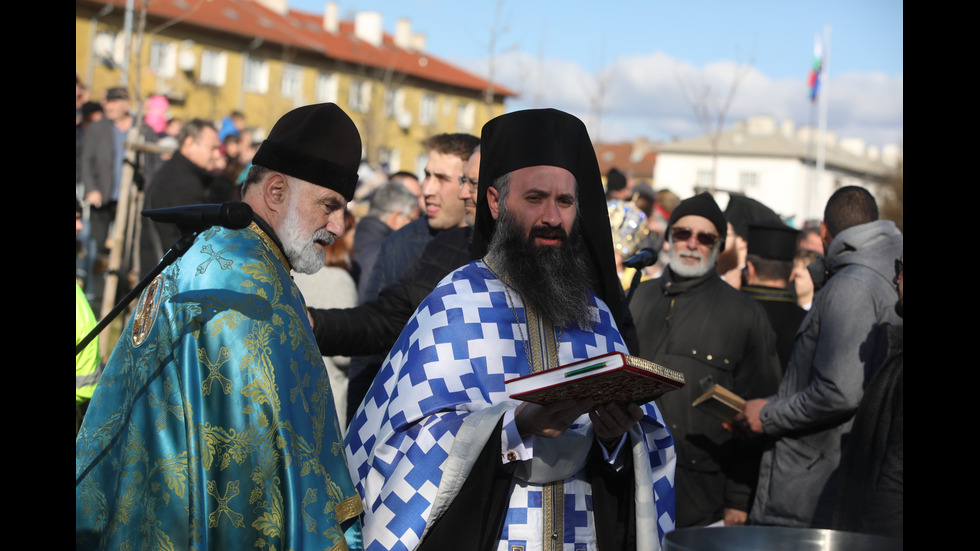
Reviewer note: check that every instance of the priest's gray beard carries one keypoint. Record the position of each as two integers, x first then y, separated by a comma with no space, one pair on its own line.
553,281
299,244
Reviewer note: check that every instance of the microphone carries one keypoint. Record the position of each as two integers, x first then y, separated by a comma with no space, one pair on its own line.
642,259
234,215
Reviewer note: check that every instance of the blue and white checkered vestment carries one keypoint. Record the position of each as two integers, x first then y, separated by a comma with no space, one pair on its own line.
439,394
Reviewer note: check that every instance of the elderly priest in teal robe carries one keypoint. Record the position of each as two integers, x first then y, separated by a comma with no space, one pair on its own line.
213,426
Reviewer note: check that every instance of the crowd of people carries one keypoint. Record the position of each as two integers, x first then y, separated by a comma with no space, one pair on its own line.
195,162
334,374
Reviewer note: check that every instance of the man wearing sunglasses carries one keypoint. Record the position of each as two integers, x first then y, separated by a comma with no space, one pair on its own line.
692,321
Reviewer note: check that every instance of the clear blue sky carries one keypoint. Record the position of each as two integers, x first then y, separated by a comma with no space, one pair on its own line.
866,36
867,44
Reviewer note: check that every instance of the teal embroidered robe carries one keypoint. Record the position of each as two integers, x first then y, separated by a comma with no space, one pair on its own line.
213,426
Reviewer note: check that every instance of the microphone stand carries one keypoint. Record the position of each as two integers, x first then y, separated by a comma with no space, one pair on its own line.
634,284
176,251
646,256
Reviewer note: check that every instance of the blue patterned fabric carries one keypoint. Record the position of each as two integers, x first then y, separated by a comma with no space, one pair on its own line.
440,392
213,426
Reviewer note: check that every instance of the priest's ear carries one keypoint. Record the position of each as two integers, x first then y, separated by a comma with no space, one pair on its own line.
266,193
493,201
274,190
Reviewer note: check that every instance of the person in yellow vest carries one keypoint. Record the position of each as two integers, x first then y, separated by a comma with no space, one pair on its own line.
87,362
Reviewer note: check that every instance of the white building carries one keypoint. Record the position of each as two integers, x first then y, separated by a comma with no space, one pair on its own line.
774,163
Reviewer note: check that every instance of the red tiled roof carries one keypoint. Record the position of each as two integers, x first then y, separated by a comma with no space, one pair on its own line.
249,19
619,155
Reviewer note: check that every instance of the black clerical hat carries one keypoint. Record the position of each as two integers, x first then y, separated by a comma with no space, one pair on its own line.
772,240
317,143
742,211
549,137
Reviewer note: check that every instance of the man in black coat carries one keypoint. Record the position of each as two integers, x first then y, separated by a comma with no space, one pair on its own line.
185,179
691,321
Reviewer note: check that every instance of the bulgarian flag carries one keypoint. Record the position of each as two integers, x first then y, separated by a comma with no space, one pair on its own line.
814,80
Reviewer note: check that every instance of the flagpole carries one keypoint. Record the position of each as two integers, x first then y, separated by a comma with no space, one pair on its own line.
814,84
811,164
825,86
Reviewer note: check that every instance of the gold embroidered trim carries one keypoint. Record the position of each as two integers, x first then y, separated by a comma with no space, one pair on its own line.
348,509
272,245
553,505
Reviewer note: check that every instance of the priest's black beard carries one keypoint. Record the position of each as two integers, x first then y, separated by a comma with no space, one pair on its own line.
553,281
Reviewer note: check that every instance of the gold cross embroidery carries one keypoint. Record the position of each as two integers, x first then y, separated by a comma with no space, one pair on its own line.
223,262
213,370
176,410
231,490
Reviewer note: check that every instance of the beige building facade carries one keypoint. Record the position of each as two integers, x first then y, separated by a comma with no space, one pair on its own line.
263,59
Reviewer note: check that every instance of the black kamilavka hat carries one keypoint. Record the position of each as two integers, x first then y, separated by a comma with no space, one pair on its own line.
773,240
317,143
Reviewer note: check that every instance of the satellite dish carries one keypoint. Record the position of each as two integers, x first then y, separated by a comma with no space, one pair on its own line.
104,46
186,60
404,119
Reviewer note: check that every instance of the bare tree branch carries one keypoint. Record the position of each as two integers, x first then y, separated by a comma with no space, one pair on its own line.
598,90
710,108
498,28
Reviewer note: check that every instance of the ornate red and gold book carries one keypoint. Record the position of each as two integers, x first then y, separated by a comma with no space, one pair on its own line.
613,377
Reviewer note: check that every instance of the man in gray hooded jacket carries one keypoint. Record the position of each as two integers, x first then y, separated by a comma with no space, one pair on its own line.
837,349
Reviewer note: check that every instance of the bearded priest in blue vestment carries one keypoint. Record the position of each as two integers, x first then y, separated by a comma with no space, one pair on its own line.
441,455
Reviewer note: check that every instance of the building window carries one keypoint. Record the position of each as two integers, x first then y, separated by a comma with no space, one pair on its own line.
256,77
704,180
163,59
465,116
359,96
748,180
292,81
326,88
427,109
389,102
394,103
213,67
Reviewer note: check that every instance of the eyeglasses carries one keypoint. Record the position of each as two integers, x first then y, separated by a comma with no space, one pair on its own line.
463,180
899,267
683,234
